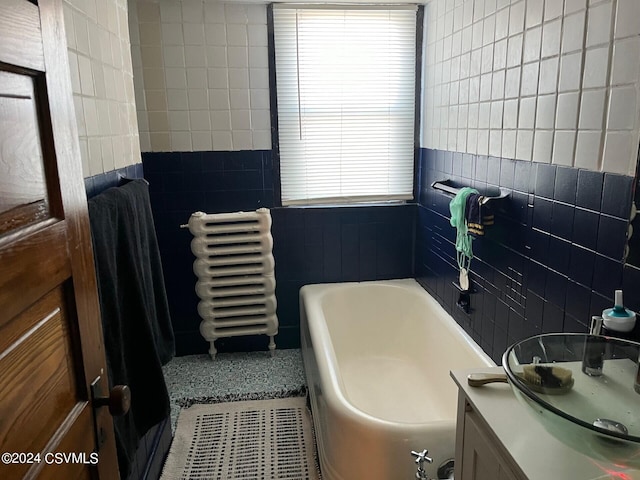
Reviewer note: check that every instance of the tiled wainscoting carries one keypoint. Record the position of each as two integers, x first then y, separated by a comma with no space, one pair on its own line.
311,245
340,244
553,258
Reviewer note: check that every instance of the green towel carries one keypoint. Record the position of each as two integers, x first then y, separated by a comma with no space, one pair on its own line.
463,239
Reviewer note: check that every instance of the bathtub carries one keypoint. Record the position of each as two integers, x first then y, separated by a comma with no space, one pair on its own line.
377,357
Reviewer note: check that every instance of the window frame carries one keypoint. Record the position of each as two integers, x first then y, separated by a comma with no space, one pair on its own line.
273,98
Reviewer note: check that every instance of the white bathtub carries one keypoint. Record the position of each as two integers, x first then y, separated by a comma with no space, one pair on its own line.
377,356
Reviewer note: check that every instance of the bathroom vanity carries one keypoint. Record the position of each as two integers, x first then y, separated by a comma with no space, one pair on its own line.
498,438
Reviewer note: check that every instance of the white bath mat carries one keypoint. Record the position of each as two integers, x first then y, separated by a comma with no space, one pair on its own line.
260,439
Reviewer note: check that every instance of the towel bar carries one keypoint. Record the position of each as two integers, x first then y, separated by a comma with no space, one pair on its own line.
445,186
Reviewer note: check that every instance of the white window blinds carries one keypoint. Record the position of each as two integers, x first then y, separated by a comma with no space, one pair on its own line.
346,102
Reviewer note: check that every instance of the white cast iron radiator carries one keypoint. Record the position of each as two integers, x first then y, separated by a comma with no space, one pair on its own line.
235,269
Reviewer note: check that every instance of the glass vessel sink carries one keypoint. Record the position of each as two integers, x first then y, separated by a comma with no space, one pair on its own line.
584,389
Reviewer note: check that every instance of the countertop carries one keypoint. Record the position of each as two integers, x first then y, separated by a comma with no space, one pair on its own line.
539,455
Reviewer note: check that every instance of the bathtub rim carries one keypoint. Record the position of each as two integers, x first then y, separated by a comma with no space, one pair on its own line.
311,297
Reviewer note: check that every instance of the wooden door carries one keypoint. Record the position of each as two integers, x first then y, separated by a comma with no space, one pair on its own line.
51,346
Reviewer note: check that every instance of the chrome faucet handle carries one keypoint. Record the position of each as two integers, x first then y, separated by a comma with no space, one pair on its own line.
421,457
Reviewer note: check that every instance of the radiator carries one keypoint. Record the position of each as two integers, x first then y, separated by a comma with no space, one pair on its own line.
235,269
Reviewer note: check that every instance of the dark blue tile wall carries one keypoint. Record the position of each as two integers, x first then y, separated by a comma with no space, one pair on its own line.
340,244
553,258
98,183
311,245
212,182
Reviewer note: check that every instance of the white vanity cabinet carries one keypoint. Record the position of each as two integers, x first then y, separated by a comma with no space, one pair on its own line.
498,438
479,455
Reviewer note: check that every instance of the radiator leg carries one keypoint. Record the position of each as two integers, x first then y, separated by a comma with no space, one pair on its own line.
272,346
212,350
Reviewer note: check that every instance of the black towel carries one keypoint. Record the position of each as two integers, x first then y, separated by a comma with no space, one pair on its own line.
478,214
473,215
135,315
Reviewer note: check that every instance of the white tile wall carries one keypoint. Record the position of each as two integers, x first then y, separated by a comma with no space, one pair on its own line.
102,80
554,81
206,64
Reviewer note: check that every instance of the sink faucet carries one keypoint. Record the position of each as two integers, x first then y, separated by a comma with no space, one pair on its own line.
421,457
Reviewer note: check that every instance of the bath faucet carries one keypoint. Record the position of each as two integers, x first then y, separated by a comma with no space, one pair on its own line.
421,457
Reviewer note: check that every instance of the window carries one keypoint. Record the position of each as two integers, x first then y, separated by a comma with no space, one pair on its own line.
346,102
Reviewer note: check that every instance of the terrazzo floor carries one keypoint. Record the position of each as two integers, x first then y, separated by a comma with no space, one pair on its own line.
233,376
